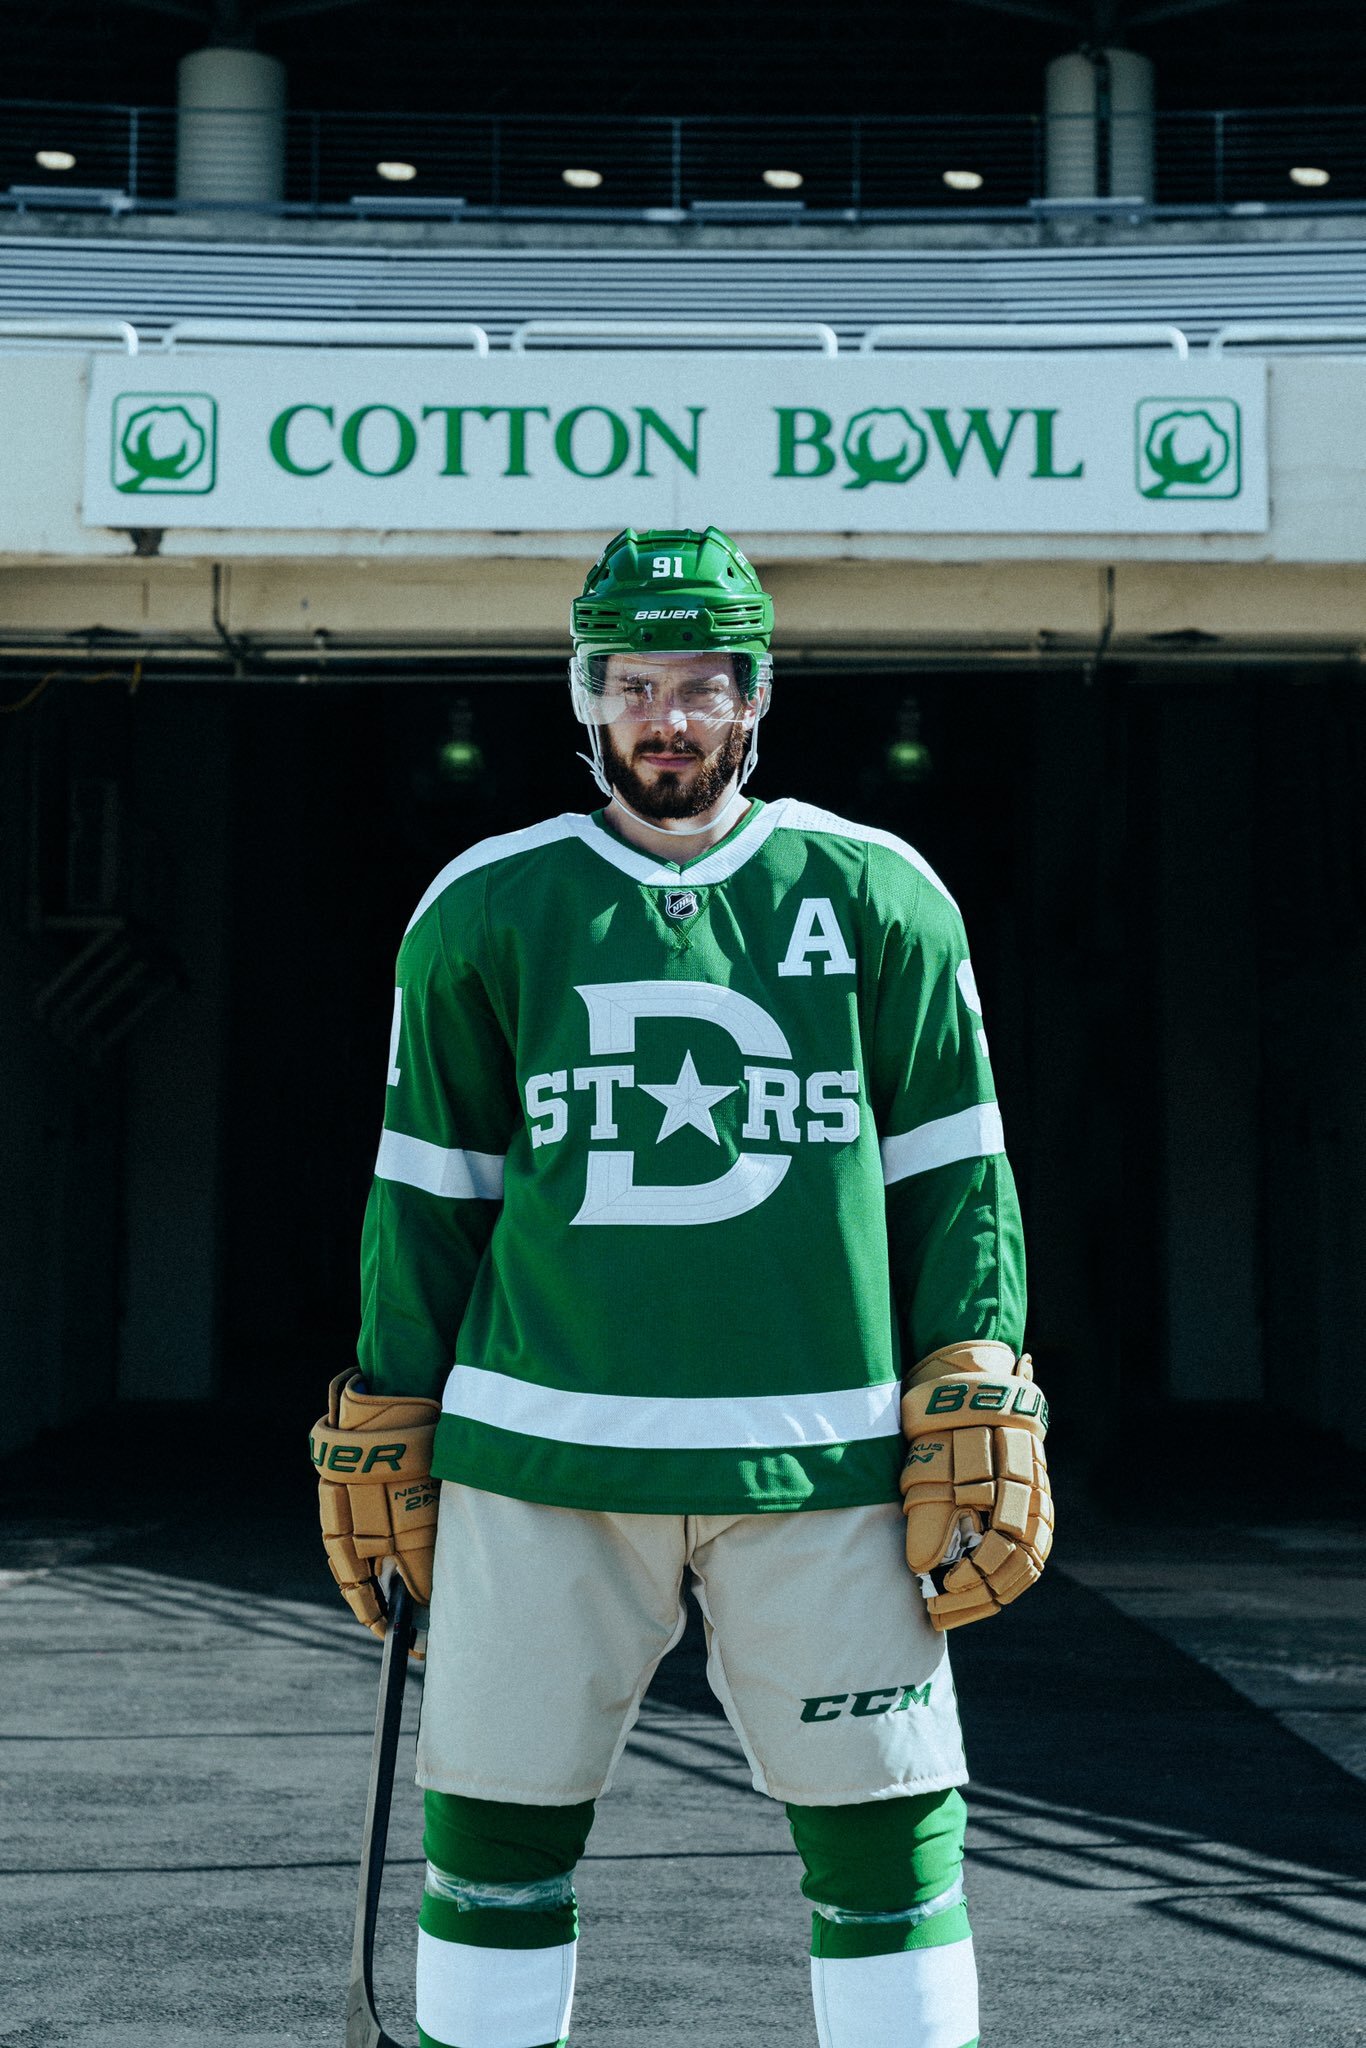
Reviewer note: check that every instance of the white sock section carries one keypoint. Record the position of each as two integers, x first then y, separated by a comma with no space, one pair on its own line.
493,1997
923,1998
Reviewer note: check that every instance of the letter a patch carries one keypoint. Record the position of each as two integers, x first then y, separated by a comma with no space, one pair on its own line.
817,930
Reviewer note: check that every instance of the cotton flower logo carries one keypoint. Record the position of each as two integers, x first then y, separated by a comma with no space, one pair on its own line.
1184,450
883,446
160,443
164,441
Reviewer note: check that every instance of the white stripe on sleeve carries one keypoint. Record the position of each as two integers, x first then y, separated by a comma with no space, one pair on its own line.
440,1170
970,1134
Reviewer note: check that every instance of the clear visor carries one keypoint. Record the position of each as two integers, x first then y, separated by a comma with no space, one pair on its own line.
631,689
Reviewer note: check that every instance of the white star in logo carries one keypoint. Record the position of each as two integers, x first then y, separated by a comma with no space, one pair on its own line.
687,1101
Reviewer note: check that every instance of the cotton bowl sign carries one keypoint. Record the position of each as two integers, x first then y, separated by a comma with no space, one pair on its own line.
363,440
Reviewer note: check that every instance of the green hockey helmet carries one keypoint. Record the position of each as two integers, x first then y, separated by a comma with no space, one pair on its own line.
675,592
669,592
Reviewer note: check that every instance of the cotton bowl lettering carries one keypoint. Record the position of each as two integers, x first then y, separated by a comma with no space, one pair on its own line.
381,440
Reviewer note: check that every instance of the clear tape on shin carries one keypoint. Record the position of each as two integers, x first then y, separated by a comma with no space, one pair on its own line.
540,1895
910,1916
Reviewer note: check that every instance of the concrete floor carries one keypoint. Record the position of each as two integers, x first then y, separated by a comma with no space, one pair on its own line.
1168,1842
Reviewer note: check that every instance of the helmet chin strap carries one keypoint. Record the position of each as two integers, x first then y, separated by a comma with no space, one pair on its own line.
751,760
594,762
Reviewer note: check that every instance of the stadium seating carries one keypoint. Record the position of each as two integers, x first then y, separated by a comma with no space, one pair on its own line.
1197,286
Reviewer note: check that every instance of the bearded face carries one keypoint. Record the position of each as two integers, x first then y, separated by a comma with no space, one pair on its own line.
681,783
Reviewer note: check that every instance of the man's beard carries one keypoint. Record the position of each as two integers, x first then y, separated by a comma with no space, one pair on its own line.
668,795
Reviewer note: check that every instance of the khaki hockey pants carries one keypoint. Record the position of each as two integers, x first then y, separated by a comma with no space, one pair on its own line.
547,1625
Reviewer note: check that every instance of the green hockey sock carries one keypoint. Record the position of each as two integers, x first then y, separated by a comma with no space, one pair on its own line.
891,1948
498,1927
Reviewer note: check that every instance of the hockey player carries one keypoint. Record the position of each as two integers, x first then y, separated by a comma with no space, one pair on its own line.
691,1238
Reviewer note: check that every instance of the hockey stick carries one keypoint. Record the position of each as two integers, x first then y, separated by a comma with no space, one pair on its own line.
363,2029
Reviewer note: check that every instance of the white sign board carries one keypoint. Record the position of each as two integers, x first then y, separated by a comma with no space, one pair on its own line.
337,439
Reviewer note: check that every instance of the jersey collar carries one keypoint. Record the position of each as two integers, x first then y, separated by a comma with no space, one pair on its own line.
715,865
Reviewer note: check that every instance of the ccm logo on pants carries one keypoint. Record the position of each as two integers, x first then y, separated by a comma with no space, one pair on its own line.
884,1699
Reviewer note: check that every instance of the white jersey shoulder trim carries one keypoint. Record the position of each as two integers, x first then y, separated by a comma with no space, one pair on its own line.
798,817
503,846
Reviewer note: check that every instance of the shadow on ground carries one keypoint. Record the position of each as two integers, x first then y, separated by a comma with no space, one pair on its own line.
1102,1757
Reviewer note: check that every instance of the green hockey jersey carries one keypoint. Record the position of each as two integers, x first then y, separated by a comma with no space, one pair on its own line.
679,1161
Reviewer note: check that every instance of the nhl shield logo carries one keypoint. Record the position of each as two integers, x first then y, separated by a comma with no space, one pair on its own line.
680,902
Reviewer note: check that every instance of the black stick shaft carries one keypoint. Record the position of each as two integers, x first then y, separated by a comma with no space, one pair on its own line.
363,2029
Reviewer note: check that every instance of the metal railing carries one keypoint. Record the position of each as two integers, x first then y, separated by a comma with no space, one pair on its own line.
730,336
313,334
766,334
41,332
701,168
939,336
1288,335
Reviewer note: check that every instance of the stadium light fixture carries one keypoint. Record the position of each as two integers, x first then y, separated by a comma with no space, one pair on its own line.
784,181
461,757
1309,174
395,173
908,757
55,159
964,181
582,179
462,761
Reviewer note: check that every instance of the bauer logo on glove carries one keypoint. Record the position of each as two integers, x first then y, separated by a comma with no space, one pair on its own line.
975,1490
1019,1396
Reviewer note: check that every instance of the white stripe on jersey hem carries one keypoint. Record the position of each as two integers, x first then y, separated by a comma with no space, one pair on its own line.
969,1134
440,1170
653,1422
716,866
503,846
799,817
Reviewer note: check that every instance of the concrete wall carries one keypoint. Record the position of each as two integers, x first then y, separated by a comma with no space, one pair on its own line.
1070,1170
298,614
108,1205
1310,829
1204,969
168,1337
61,1126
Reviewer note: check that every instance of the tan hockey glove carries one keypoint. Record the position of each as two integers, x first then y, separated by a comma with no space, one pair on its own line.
376,1493
975,1492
